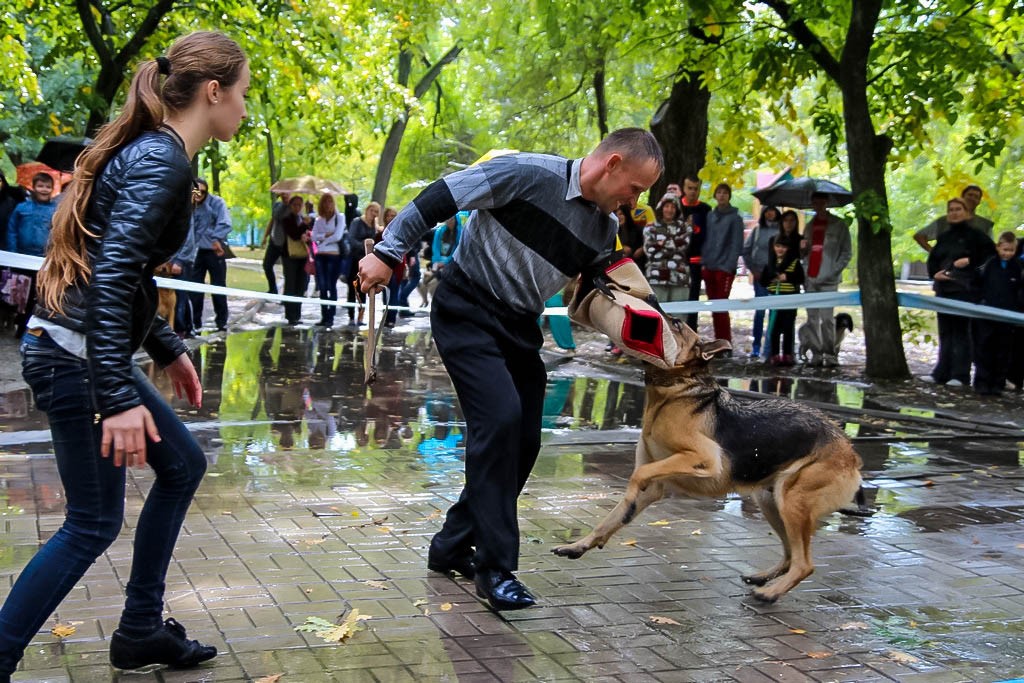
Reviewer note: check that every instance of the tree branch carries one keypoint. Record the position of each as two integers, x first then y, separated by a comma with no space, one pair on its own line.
144,31
92,30
807,38
428,78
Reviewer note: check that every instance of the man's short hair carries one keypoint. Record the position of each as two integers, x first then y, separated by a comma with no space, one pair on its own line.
691,178
1007,237
972,187
723,186
634,143
42,176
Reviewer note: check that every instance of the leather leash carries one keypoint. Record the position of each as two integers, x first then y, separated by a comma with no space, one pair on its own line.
373,331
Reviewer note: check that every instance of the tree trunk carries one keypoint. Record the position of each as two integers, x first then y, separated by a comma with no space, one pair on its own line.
868,153
681,126
113,65
275,172
601,101
393,143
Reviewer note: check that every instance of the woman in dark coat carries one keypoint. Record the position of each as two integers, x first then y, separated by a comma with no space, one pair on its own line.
952,263
126,212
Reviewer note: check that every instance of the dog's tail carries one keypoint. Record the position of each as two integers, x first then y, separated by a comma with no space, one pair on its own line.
862,509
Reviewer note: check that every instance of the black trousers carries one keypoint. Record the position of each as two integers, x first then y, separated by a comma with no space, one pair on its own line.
954,349
992,353
272,255
207,261
499,378
696,277
1015,372
783,324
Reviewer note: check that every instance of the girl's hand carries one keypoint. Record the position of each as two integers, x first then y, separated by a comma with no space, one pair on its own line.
125,435
185,380
782,277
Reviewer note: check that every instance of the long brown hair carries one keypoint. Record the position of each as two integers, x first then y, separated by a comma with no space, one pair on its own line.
192,60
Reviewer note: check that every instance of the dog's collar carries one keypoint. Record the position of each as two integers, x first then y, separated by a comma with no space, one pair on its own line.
672,376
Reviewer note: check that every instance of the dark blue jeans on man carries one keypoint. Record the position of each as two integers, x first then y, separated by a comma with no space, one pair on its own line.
94,490
207,261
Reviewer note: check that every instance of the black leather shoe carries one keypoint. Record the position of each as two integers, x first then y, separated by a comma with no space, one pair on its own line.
503,590
167,646
462,565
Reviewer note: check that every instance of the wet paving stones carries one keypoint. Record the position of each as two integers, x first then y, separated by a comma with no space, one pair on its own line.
298,518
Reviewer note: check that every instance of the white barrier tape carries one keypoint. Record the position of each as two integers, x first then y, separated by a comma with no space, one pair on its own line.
962,308
24,262
776,302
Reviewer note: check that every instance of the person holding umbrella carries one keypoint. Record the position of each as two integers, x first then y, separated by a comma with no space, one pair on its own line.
827,250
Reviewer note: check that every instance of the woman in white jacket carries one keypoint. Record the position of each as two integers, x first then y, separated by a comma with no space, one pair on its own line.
328,236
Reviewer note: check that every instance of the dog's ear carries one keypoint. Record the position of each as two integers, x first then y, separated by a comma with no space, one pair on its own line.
710,349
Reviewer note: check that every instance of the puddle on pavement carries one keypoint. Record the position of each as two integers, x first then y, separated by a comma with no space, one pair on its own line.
289,404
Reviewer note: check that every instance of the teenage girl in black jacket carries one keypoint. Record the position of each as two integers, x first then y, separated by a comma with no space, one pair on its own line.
127,211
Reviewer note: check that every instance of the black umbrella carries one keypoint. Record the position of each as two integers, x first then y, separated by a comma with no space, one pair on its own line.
796,193
60,153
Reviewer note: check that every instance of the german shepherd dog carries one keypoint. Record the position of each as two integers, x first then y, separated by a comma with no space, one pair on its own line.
167,298
696,439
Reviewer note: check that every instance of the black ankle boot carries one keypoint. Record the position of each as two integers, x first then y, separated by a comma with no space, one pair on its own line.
166,646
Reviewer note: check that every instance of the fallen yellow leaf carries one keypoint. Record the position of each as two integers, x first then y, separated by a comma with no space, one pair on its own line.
419,603
269,679
913,624
696,532
664,620
313,541
819,655
334,633
379,585
798,631
631,541
446,607
929,482
63,630
660,522
901,657
384,529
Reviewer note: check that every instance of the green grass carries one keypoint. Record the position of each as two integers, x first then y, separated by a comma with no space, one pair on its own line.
246,278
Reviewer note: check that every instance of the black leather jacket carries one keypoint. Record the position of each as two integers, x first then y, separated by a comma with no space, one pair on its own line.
139,211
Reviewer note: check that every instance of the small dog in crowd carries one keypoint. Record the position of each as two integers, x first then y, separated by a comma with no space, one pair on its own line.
167,298
696,439
844,324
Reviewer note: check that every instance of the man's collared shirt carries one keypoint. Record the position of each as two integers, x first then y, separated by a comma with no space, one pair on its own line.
529,233
211,221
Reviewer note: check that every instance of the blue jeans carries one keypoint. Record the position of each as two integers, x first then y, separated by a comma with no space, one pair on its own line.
328,270
94,490
760,290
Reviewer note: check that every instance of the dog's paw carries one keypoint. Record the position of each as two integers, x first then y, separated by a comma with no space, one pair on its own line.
573,552
763,597
754,579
